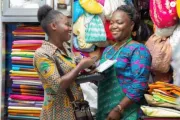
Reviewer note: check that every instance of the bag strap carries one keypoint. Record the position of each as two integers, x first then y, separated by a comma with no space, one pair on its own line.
68,90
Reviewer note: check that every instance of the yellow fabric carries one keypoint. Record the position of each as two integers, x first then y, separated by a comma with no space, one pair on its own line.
22,53
24,111
178,7
160,112
22,72
23,108
91,6
79,30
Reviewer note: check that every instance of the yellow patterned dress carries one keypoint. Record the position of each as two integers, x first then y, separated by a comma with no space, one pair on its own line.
56,101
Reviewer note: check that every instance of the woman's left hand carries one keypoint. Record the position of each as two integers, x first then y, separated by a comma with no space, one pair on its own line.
114,115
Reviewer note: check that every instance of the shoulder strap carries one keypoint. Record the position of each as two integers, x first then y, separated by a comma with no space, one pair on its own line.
68,90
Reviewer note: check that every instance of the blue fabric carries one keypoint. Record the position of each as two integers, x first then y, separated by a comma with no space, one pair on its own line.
132,69
77,11
76,46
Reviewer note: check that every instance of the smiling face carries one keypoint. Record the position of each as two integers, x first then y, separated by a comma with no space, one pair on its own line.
64,28
121,25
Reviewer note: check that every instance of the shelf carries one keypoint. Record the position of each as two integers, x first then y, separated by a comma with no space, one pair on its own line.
19,19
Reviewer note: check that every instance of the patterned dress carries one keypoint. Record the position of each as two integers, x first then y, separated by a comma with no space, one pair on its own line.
56,101
128,77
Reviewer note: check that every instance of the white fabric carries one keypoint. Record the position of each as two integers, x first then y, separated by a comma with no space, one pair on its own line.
175,43
110,6
165,32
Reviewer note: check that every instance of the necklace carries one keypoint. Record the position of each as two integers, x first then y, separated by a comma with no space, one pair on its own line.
119,49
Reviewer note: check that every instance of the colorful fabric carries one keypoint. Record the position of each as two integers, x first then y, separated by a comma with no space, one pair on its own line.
133,66
23,117
26,97
27,91
77,11
24,104
24,111
24,78
132,71
76,46
23,108
27,87
27,82
79,30
28,41
24,114
94,30
56,103
110,94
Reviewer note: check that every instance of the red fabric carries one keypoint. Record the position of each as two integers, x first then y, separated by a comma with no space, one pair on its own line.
163,13
108,32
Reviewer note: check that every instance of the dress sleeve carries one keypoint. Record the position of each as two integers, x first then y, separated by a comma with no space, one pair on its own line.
47,69
140,67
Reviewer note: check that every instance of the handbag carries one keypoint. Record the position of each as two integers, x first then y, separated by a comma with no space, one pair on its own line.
80,107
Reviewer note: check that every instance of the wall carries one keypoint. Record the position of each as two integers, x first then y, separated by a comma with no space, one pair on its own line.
2,65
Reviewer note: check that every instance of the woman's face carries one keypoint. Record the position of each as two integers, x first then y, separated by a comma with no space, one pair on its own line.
64,28
121,25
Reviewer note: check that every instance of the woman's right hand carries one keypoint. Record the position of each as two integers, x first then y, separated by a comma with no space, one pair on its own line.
86,62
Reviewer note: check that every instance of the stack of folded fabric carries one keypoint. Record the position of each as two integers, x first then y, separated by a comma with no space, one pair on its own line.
27,94
163,100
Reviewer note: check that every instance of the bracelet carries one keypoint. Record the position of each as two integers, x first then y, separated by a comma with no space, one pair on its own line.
120,108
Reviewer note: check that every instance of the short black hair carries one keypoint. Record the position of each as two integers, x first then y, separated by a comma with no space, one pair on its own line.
47,15
132,13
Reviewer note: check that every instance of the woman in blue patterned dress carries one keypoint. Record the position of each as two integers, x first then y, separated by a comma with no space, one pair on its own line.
119,95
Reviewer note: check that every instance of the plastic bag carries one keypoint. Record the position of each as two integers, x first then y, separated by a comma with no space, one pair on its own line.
110,6
94,31
91,6
163,13
175,43
77,11
90,94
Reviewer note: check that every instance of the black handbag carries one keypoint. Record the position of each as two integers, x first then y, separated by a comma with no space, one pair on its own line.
81,107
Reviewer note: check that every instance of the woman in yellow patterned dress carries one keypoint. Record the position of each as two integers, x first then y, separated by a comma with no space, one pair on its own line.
56,101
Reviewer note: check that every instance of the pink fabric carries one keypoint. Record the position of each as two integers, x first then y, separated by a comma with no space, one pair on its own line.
163,13
101,2
26,97
28,41
25,78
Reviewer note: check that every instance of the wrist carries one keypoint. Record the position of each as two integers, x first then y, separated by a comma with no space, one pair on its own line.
120,109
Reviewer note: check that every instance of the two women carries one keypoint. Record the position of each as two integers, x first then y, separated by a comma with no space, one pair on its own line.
119,94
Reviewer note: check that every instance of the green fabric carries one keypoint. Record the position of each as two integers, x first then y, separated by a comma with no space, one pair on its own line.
110,94
95,31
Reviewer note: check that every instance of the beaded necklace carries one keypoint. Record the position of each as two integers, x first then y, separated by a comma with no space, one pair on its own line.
119,49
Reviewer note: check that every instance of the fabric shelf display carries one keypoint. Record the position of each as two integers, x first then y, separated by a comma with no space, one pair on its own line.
26,95
163,101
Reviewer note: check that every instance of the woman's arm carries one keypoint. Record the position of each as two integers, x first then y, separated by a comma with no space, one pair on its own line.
140,68
47,69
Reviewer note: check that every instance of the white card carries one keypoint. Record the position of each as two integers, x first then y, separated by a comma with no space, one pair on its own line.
105,65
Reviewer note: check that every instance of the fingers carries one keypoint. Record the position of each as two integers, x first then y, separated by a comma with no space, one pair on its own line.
94,58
